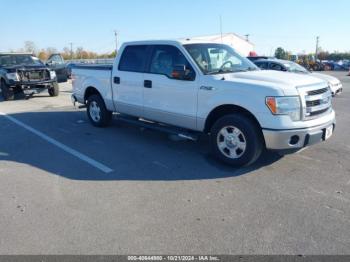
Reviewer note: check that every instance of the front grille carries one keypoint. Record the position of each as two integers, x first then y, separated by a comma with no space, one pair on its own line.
317,92
34,75
313,103
316,101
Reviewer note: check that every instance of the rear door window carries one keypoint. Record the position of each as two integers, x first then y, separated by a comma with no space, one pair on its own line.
262,65
133,59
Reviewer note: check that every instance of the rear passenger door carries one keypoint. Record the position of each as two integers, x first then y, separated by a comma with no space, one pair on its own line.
127,80
168,99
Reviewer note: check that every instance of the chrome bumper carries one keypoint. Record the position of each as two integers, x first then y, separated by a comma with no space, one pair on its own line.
296,139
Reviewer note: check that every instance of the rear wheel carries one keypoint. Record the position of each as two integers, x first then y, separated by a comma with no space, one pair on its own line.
97,112
6,91
236,140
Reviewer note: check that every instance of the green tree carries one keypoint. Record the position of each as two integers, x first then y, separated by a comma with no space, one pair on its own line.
280,53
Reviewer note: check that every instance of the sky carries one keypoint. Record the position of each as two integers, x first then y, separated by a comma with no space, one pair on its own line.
291,24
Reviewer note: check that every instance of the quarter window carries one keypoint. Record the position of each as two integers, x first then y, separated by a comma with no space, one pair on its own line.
133,58
262,65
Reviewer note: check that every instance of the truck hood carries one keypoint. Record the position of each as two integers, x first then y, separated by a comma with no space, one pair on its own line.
274,77
327,78
282,82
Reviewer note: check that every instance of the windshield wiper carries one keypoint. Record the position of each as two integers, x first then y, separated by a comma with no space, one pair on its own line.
252,69
230,71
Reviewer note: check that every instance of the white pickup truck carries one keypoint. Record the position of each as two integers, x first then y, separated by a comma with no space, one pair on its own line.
190,87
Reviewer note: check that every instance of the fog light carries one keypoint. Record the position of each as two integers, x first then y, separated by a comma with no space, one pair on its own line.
294,140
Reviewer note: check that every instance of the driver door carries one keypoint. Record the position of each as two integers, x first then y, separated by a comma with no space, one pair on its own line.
166,99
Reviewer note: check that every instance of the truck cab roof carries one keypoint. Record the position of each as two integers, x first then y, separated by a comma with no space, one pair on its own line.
169,42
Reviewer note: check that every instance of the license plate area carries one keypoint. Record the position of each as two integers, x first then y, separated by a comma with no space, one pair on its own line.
328,132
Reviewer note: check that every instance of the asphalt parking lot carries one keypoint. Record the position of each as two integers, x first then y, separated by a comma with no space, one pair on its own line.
69,188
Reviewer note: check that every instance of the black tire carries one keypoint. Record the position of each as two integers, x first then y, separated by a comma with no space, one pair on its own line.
247,146
54,90
101,117
6,91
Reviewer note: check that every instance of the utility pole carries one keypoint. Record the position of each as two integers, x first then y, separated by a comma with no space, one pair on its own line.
317,46
116,40
71,51
247,37
221,28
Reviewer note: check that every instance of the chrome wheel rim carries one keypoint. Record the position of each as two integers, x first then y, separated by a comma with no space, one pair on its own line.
231,142
95,111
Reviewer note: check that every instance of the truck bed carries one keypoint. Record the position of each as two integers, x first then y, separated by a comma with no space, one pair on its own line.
98,76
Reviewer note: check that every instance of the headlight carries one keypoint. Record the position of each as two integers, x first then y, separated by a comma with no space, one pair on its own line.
12,76
52,74
285,105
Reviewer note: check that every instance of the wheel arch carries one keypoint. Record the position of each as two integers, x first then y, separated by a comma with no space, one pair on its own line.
227,109
90,90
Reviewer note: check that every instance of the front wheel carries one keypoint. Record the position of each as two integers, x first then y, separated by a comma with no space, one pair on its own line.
97,112
236,140
6,91
54,90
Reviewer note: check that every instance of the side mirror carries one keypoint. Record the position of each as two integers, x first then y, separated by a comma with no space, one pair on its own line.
180,72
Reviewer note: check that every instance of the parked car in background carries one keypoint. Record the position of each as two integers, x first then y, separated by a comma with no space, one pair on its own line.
192,87
255,58
21,72
57,63
292,67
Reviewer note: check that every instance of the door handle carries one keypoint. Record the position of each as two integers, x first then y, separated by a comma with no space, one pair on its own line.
116,80
207,88
147,83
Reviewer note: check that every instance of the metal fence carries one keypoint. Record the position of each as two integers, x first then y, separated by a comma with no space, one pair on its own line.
91,61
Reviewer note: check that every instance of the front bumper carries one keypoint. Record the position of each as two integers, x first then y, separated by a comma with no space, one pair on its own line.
295,139
31,83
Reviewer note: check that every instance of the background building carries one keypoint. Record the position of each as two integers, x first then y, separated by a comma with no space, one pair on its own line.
240,44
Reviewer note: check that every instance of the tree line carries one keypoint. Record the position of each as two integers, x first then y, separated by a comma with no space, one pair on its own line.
66,52
280,53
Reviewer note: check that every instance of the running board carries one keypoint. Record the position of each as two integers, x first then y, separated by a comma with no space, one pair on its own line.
160,127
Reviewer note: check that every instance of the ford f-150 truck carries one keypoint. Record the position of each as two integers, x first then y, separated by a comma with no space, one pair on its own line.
20,71
200,87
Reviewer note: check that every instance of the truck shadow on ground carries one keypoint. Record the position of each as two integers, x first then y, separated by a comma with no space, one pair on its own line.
132,152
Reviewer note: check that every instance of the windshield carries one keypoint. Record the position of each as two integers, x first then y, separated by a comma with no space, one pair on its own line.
296,68
218,59
12,60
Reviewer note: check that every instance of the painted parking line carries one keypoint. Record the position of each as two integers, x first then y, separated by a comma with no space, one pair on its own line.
58,144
